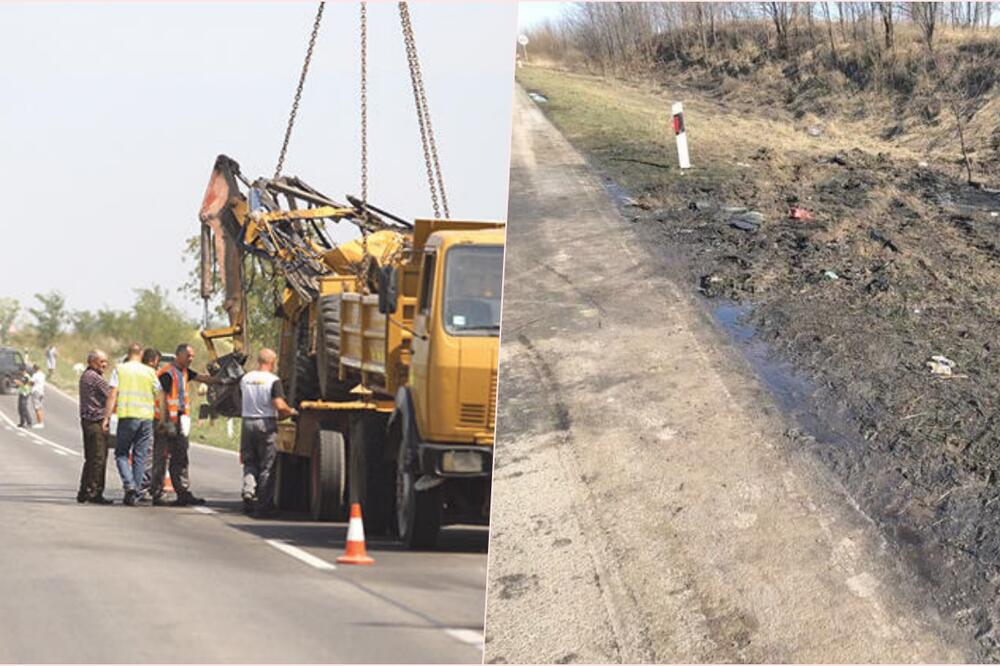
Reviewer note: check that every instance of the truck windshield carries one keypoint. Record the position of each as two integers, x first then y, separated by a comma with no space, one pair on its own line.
473,279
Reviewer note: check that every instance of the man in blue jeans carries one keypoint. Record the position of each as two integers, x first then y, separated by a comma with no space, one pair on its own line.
135,391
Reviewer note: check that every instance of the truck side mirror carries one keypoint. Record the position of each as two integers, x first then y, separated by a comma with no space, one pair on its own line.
387,290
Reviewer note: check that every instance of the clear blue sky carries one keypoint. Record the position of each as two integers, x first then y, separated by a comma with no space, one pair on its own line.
112,114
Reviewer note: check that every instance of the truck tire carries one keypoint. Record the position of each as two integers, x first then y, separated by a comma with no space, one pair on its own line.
291,483
6,385
305,381
418,514
372,479
327,476
328,350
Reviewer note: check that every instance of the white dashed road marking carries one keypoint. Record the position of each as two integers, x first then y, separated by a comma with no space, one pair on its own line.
467,636
38,438
301,555
204,509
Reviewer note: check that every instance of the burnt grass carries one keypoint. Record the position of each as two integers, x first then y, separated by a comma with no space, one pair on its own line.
899,263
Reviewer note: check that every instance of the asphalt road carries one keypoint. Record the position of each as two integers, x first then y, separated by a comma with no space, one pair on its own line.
648,505
85,583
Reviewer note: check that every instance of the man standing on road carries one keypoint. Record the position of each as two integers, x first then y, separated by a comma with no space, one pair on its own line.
50,359
24,400
263,404
93,398
38,396
134,393
173,425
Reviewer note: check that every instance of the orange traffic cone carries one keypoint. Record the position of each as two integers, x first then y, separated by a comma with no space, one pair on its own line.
168,485
355,552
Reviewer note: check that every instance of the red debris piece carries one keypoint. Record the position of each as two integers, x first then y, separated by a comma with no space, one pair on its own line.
799,213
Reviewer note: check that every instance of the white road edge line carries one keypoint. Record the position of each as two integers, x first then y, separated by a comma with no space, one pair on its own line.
69,452
62,453
300,555
467,636
204,509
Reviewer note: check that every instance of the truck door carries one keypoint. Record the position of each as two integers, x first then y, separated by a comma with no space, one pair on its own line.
422,325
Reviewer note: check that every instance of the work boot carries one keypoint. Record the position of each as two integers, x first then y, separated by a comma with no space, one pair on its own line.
81,497
248,506
265,511
100,499
159,501
188,499
130,498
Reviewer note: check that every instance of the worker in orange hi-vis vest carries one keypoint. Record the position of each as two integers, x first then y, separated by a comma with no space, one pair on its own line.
173,426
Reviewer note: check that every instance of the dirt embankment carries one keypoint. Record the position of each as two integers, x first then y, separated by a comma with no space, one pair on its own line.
857,264
898,265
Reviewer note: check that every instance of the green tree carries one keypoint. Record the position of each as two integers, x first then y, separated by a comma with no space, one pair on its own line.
85,323
158,323
49,318
114,324
9,309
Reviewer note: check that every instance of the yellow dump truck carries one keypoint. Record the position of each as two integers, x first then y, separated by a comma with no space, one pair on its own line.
389,349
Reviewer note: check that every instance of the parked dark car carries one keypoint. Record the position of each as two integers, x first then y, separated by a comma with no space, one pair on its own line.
12,366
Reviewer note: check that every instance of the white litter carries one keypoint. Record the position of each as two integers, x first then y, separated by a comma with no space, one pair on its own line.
941,365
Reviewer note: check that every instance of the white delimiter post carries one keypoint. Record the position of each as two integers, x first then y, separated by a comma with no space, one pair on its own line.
682,141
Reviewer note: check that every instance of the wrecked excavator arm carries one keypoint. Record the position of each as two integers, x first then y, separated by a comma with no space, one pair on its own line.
222,208
292,239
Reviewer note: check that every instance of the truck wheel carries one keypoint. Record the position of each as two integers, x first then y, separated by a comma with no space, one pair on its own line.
372,478
328,349
327,476
290,483
6,385
305,382
418,514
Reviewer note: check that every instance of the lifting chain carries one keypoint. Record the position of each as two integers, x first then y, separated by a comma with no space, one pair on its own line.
298,90
434,178
366,258
364,106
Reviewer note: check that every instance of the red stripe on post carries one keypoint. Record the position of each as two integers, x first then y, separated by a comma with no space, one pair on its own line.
678,123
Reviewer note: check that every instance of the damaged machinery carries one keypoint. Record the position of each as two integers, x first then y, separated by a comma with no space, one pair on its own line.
388,346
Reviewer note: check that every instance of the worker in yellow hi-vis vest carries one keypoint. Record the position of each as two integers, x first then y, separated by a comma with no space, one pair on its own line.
135,390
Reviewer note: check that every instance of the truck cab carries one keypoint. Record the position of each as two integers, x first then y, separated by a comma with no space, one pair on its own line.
447,408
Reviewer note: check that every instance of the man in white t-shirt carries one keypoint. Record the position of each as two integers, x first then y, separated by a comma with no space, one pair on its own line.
263,404
38,396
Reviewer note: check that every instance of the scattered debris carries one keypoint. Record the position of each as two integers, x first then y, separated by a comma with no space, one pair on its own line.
538,98
879,237
799,213
941,366
815,131
830,275
879,285
743,225
922,164
702,205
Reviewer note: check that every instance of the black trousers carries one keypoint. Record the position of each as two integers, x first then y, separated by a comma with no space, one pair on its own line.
95,457
170,449
24,411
